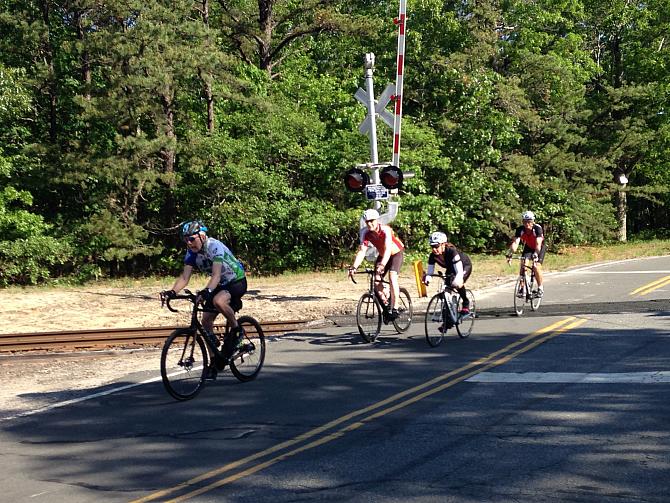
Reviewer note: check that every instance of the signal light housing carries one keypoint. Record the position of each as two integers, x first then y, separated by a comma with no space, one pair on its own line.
391,177
356,179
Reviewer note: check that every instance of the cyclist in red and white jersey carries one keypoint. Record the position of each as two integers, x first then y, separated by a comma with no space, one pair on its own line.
390,257
534,247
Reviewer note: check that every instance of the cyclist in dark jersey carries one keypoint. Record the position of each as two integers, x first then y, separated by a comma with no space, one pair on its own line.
457,264
227,282
534,246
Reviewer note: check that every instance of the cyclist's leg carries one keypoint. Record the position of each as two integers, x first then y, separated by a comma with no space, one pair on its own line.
393,268
462,291
224,300
379,283
538,267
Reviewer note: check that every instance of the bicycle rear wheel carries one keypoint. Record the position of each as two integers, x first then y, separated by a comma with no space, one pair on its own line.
435,320
519,295
465,323
405,312
369,317
183,363
248,358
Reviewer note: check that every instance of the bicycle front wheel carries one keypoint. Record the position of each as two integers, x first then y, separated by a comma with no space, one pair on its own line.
519,295
465,323
369,317
183,363
248,358
435,320
405,312
535,301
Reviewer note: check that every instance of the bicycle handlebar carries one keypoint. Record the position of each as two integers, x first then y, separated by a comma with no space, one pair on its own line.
187,295
367,271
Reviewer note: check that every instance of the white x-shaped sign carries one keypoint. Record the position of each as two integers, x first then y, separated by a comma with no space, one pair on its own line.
380,108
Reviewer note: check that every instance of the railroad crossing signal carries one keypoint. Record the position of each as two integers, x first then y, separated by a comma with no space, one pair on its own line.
391,177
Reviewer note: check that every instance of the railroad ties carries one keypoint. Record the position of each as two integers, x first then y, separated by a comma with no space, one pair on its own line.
114,337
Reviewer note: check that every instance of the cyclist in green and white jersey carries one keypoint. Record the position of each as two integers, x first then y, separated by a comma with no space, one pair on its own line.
227,282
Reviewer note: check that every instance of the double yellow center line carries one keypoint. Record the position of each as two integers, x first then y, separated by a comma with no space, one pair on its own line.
650,287
354,420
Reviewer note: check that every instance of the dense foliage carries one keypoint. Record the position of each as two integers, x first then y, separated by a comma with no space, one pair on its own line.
122,118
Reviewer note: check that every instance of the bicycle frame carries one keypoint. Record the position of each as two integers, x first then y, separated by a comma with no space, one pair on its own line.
373,309
528,278
448,293
523,288
188,352
196,325
373,291
447,300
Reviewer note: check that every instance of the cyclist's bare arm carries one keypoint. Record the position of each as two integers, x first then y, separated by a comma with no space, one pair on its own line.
183,279
360,256
215,278
512,249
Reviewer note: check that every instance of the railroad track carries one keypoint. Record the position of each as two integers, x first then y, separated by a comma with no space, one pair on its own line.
113,337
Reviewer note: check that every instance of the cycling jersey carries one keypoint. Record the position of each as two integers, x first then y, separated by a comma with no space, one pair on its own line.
454,261
381,238
213,251
529,237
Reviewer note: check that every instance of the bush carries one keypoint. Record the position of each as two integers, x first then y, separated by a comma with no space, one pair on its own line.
28,261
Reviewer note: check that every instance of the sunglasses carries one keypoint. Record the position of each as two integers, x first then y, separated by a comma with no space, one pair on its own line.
190,239
434,246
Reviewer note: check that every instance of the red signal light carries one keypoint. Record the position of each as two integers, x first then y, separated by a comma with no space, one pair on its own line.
356,179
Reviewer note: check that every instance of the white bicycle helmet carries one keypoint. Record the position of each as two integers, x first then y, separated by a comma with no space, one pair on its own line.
528,215
370,214
437,238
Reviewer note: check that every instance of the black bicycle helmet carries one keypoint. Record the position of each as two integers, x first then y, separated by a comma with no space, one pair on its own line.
191,227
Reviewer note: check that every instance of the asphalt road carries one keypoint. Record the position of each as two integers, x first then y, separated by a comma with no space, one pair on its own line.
571,403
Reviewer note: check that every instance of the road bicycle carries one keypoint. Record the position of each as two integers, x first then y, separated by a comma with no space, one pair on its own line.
373,309
443,312
188,351
525,291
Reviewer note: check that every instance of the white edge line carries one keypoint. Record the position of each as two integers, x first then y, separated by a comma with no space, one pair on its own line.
77,400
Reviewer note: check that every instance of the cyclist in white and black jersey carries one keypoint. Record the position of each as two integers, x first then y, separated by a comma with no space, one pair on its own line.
457,264
227,282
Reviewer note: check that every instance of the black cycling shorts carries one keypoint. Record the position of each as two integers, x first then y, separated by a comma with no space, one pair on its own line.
394,263
528,252
236,289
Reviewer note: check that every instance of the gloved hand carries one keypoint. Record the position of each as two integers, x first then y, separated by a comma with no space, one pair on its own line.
425,279
205,295
535,257
380,269
168,294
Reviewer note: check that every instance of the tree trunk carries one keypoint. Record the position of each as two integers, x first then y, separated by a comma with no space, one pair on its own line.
265,25
52,86
85,62
207,79
621,214
168,155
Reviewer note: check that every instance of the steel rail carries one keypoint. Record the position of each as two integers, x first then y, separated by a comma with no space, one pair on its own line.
115,337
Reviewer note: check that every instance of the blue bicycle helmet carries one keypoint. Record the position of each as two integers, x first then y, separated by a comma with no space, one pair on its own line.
191,227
